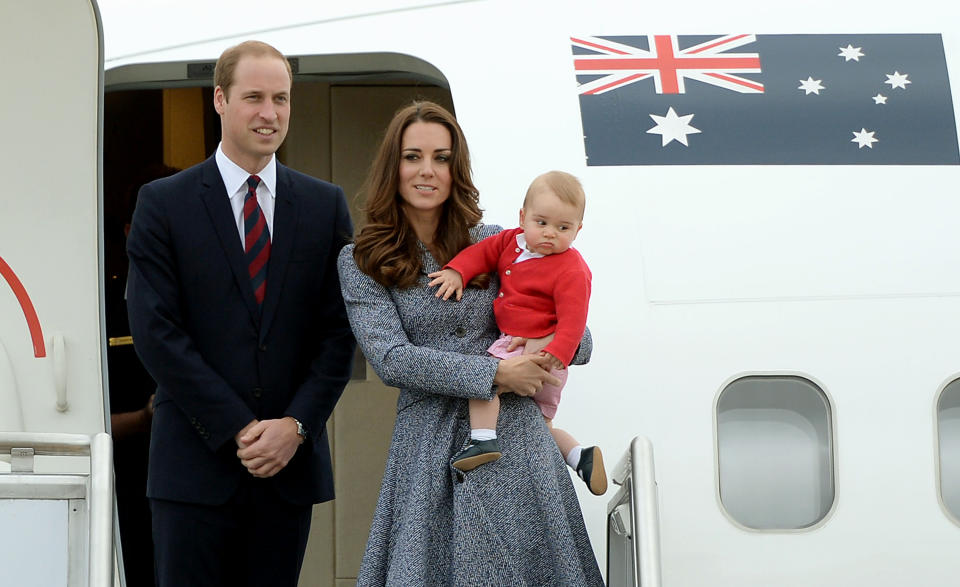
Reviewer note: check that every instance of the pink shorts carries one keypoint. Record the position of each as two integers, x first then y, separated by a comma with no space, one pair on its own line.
547,398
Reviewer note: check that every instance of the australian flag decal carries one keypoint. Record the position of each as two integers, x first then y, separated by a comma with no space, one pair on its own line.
741,99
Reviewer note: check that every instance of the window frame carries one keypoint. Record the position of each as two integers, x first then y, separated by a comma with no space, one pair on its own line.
832,439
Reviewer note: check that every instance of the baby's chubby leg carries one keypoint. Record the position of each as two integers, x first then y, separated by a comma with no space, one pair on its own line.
565,441
586,461
483,415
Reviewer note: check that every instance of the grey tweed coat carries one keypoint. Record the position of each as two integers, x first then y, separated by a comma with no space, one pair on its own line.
513,522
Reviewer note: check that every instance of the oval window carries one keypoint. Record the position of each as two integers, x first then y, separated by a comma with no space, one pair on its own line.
775,452
948,443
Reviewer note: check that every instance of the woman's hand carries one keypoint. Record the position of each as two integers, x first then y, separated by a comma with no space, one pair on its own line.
523,375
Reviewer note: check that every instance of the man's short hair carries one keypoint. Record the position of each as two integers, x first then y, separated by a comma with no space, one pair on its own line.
227,64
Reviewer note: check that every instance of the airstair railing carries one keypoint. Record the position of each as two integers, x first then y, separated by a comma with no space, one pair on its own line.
633,520
24,482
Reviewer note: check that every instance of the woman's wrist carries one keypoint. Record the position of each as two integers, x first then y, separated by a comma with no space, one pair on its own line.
498,379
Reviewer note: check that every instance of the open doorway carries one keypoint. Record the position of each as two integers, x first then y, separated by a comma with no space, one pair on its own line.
160,117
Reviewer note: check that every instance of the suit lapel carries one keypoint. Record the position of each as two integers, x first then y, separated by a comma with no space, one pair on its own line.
285,215
214,196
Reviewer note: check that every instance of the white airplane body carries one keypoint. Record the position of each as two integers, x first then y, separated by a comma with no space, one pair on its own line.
782,327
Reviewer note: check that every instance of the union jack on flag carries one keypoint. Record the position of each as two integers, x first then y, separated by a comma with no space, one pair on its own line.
667,63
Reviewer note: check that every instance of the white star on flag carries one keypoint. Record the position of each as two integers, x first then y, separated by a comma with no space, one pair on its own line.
897,80
850,52
864,138
672,127
879,99
811,86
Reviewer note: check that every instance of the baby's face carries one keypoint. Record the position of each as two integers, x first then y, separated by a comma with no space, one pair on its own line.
549,224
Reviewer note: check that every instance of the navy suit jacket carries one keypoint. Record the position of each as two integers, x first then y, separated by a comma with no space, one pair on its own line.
218,361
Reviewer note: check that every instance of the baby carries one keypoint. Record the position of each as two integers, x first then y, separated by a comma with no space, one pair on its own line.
544,290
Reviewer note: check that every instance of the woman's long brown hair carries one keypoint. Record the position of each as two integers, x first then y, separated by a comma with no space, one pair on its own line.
386,248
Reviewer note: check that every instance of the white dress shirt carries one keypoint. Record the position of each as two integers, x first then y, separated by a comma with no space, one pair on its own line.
235,180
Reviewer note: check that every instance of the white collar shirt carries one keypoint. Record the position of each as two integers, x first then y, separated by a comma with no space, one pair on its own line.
527,253
235,180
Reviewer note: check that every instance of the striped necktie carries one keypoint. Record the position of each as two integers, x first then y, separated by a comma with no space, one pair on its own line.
256,240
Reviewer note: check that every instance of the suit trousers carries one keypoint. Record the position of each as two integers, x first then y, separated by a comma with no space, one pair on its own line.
255,539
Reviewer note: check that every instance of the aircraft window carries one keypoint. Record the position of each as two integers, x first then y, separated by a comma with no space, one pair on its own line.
948,440
775,452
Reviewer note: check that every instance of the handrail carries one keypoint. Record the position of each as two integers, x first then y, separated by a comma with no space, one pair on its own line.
101,511
60,372
635,472
100,497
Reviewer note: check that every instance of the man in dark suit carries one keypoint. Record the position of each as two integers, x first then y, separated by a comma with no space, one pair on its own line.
235,310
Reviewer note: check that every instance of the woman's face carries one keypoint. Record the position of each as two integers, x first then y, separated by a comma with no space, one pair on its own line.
425,152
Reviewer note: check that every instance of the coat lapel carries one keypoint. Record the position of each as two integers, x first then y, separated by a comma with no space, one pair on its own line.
285,215
214,196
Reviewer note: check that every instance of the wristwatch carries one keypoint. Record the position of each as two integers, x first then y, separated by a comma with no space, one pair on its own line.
301,431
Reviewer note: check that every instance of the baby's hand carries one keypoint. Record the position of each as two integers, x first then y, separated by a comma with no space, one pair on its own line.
517,341
449,281
535,345
555,363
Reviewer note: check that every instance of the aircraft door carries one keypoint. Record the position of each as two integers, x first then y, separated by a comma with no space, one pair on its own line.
160,115
50,326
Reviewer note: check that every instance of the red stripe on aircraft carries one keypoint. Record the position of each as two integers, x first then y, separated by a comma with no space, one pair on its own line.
33,323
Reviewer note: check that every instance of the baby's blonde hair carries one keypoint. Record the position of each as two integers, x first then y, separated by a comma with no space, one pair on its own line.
564,185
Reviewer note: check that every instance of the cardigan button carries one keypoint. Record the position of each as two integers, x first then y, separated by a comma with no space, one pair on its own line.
460,332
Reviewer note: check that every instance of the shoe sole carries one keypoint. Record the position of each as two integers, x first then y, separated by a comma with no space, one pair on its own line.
471,463
598,478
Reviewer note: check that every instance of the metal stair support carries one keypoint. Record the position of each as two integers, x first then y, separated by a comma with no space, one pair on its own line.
89,527
633,520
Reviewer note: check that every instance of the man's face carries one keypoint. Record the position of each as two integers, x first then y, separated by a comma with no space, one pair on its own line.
255,116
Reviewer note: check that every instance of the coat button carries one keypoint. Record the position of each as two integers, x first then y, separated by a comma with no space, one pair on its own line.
507,272
257,392
501,295
460,332
517,249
